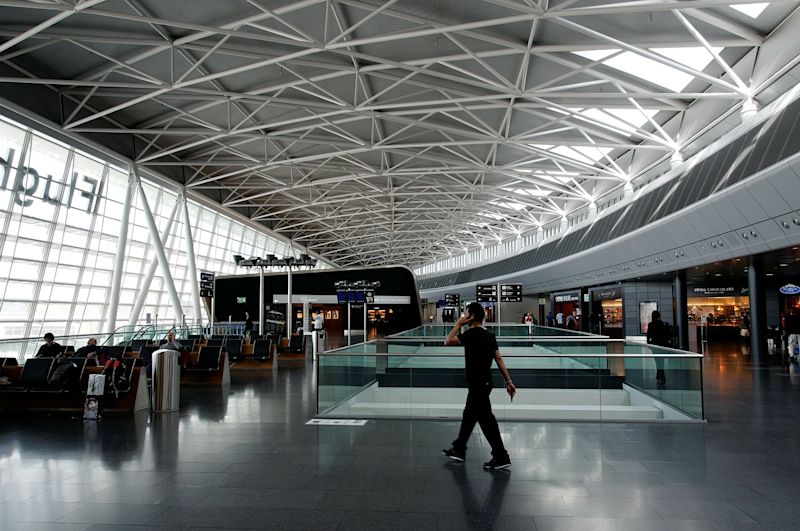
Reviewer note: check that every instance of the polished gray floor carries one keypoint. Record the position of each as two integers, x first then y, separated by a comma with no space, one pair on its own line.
245,459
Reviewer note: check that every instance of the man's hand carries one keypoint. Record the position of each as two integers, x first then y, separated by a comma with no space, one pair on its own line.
511,389
463,320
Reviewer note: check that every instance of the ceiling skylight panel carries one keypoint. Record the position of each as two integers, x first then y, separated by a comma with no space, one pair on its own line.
596,55
511,205
531,192
585,154
492,215
752,10
626,120
695,57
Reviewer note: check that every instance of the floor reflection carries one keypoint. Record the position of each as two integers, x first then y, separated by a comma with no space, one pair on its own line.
481,514
243,457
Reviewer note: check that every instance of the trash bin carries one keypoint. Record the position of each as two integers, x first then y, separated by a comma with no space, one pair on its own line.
166,380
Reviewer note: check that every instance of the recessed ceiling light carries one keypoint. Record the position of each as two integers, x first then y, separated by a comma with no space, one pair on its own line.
717,274
783,265
770,274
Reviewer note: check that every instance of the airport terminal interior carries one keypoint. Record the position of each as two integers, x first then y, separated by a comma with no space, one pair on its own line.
245,246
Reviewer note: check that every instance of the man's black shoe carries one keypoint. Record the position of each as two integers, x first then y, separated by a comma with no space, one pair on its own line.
494,464
454,454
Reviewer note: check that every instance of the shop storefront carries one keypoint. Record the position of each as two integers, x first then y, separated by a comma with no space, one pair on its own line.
567,303
789,298
722,310
607,305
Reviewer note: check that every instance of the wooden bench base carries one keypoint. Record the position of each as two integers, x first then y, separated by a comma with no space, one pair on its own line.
136,399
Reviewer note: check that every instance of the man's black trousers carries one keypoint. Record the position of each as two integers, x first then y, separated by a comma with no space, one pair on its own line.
479,409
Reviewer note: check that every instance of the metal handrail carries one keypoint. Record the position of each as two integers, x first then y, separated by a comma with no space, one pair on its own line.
671,352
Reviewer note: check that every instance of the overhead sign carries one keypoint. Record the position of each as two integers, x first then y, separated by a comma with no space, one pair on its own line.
511,293
206,284
486,292
790,289
452,299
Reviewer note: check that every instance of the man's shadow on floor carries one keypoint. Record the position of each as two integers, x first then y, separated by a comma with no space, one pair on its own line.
480,516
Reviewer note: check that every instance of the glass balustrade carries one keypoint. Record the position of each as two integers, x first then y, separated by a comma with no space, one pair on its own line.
563,379
499,330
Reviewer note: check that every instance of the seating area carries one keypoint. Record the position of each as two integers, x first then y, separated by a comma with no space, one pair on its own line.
203,361
30,387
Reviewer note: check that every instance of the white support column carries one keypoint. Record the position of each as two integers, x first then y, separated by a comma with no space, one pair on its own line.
289,317
364,307
151,271
349,325
497,304
198,318
119,262
261,306
162,257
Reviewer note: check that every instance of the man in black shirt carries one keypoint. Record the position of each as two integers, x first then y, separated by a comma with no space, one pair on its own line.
50,349
659,334
91,350
480,348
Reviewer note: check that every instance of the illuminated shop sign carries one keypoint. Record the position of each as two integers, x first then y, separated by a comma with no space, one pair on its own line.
709,291
82,192
790,289
568,297
607,294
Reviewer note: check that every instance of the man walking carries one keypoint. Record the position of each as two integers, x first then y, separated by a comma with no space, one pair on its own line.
480,348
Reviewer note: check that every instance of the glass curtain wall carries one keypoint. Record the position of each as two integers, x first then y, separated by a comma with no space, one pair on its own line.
60,212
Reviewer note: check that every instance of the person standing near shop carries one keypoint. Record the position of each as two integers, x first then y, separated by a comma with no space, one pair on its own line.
249,326
659,333
792,325
528,320
480,348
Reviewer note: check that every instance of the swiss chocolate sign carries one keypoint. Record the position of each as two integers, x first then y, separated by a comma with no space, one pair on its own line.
606,294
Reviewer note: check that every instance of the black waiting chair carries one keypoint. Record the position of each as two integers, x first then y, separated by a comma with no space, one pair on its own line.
296,343
117,351
207,359
137,344
234,348
262,349
146,355
35,373
215,342
8,362
218,336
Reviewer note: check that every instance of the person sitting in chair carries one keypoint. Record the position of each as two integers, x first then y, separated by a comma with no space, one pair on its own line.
90,351
171,343
50,349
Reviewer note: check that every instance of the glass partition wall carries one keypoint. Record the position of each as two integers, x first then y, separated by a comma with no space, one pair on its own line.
60,216
556,379
428,331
